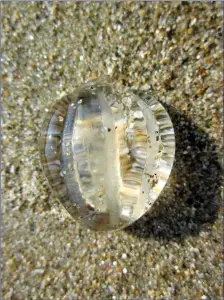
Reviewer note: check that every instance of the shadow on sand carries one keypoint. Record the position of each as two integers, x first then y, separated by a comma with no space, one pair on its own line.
190,199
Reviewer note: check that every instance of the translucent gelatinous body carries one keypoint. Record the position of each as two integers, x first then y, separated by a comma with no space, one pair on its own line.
107,154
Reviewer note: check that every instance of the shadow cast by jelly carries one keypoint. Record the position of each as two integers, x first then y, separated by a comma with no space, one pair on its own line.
191,197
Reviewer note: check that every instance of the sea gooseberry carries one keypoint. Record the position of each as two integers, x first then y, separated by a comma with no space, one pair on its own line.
107,153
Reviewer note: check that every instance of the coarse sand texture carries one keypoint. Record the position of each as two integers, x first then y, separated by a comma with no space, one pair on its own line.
170,50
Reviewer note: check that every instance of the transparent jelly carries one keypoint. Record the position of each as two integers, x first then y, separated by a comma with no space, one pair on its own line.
107,154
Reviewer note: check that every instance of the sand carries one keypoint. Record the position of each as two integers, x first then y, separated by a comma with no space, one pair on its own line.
173,50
